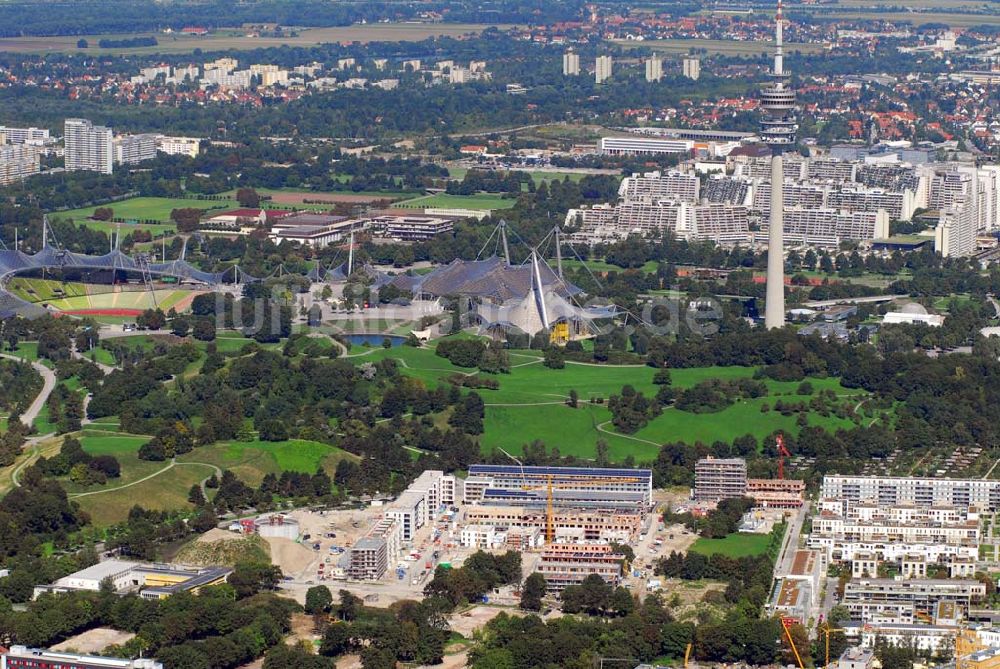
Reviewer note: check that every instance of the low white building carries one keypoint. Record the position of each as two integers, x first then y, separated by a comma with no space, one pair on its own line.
486,537
911,314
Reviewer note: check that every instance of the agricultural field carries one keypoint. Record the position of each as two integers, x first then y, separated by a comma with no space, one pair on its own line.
734,546
530,404
951,19
229,40
716,46
143,209
445,201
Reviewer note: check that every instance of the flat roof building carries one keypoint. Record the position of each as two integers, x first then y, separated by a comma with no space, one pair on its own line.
921,492
22,657
565,479
720,478
151,581
411,228
563,565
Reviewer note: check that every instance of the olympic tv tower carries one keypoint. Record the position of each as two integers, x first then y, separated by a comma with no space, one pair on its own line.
778,131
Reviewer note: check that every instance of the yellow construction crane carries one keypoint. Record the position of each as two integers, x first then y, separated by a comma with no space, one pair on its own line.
827,630
687,655
786,624
550,486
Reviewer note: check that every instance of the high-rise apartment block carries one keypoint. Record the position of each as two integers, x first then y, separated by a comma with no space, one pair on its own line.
691,67
919,492
720,478
571,64
134,149
178,146
88,146
602,69
18,162
654,68
23,135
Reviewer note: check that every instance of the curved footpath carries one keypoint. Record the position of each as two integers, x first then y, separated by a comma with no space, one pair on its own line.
48,385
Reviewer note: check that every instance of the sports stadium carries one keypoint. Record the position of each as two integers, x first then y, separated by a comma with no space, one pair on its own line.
112,285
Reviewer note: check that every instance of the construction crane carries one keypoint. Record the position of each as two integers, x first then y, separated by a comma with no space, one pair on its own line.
783,453
786,624
550,487
827,630
687,655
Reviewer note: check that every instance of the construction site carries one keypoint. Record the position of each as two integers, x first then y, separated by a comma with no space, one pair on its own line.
567,522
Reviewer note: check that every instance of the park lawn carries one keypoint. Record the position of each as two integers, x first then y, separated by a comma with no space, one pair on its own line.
233,342
419,363
572,431
726,425
143,209
42,422
26,350
445,201
251,461
598,266
101,355
96,441
530,405
166,492
125,449
734,546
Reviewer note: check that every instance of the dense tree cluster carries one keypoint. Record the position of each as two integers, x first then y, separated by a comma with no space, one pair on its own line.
19,384
632,410
81,467
720,522
407,631
715,395
480,573
220,628
34,512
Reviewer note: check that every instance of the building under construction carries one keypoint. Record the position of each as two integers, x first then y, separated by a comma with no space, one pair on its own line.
568,525
571,487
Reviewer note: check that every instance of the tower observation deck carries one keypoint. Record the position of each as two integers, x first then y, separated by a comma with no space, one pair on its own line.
778,100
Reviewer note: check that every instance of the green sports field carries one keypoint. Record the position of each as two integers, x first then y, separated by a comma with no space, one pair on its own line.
138,299
444,201
143,209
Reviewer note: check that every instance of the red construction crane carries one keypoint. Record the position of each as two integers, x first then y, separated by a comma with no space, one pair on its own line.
782,454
